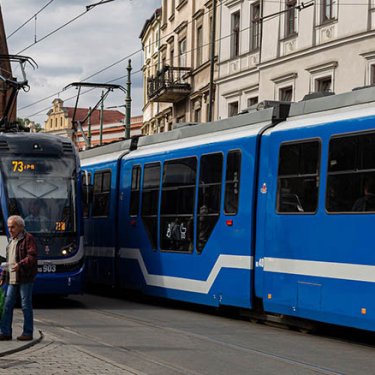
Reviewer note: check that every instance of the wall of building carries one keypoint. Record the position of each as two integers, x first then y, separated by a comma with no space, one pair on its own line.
335,53
185,27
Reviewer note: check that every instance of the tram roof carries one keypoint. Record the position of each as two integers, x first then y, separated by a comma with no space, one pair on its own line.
254,121
183,131
35,143
360,96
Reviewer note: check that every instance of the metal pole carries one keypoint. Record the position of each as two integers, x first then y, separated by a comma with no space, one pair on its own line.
128,102
212,62
101,120
89,128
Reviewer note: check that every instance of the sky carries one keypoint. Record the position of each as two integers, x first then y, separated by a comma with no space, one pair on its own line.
100,37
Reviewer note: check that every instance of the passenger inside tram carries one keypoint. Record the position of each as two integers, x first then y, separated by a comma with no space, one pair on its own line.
367,201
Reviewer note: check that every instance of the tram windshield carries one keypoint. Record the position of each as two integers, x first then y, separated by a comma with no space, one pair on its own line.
42,191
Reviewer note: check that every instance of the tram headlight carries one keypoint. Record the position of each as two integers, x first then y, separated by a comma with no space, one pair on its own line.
65,251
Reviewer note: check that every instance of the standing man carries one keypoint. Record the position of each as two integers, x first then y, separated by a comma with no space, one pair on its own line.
19,274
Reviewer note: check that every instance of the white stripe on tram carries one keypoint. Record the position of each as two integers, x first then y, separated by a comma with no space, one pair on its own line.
189,285
345,271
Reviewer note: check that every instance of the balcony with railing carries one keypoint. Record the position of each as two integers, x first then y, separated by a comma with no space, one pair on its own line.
170,85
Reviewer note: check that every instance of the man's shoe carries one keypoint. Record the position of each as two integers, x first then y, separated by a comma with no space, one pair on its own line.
5,337
24,338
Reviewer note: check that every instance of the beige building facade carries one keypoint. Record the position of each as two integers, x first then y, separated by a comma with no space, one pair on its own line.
287,49
177,69
60,120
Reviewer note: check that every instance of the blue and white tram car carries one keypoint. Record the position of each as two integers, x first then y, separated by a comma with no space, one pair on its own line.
40,182
269,209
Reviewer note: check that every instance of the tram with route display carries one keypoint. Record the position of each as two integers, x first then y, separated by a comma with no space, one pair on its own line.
40,181
272,210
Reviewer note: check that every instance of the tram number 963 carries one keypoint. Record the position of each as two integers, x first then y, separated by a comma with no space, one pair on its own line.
49,268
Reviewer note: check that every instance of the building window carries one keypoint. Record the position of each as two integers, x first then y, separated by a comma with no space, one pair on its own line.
351,174
197,115
286,94
298,177
323,84
232,182
199,45
209,193
235,37
232,109
135,191
150,200
255,30
252,101
372,74
102,193
182,53
291,17
171,55
173,7
328,8
177,205
165,11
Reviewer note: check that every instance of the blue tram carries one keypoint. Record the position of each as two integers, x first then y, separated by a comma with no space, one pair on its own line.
273,209
40,181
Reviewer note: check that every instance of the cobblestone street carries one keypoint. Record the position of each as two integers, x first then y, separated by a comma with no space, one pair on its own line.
52,356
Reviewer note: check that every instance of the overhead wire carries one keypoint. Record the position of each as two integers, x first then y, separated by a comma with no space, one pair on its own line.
60,27
152,65
112,64
29,19
141,49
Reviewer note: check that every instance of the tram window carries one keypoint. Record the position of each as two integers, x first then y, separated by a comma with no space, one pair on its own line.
150,200
210,176
135,191
86,178
298,177
177,204
351,174
102,191
232,182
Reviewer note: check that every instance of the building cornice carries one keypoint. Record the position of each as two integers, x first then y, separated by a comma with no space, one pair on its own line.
322,67
284,78
208,4
181,4
170,39
232,3
182,26
198,13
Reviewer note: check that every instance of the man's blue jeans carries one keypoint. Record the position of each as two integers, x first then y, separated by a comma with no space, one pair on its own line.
26,293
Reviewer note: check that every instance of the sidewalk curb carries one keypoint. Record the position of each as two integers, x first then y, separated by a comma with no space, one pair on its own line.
23,347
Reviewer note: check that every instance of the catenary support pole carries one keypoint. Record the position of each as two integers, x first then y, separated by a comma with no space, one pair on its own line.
101,119
128,102
212,61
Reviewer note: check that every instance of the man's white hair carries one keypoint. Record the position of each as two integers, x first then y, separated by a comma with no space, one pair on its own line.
17,219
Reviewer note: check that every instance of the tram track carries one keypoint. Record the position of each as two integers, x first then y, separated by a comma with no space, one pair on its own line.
298,364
